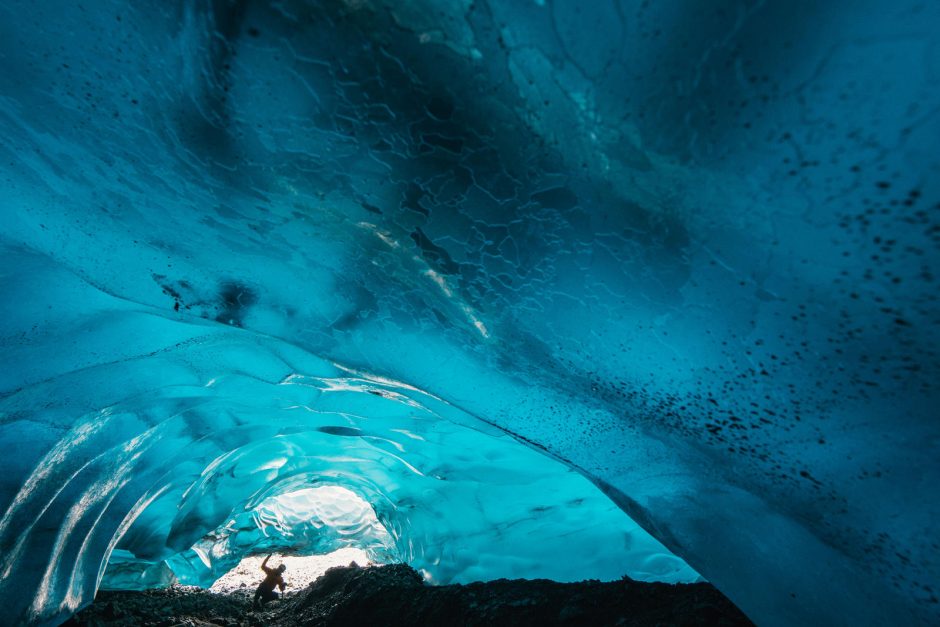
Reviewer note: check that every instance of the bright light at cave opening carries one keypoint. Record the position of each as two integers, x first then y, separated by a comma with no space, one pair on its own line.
303,519
308,530
301,571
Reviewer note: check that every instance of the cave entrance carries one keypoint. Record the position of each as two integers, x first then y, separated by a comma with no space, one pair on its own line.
301,570
308,529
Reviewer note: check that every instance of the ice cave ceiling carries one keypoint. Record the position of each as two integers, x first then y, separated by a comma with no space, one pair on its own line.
463,258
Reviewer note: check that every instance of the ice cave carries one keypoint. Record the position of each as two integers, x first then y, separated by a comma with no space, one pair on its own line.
558,289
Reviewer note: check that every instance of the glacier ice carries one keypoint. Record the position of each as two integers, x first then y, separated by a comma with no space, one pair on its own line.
460,258
170,459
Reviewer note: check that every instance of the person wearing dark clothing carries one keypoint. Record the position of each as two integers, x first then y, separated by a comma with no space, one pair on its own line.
273,578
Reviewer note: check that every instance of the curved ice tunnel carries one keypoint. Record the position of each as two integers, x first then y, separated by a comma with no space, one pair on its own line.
394,478
686,248
213,447
307,521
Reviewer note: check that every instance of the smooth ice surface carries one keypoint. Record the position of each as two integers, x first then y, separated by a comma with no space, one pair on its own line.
688,249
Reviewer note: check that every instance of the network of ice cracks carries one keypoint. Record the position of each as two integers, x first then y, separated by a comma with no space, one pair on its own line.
686,250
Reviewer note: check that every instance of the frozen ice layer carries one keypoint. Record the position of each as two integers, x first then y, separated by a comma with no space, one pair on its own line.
460,259
212,447
454,502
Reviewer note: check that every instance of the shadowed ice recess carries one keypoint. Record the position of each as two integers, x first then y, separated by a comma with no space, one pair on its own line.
524,277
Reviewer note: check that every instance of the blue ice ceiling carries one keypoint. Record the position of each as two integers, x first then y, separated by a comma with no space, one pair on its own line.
686,249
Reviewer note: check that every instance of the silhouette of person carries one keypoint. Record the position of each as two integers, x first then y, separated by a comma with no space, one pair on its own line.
272,579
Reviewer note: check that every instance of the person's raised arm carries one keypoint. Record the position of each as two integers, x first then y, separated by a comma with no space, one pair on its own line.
264,564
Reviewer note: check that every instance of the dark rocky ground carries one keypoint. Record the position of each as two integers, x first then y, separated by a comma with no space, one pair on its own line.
396,595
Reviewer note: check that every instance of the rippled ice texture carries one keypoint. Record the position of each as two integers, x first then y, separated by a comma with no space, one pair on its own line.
687,249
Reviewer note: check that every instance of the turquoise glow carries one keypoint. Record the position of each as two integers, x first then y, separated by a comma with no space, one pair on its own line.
475,261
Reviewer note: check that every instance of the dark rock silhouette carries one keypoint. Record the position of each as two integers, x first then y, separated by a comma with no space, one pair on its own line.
396,595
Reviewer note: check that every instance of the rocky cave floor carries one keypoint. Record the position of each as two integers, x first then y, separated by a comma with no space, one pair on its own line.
396,595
